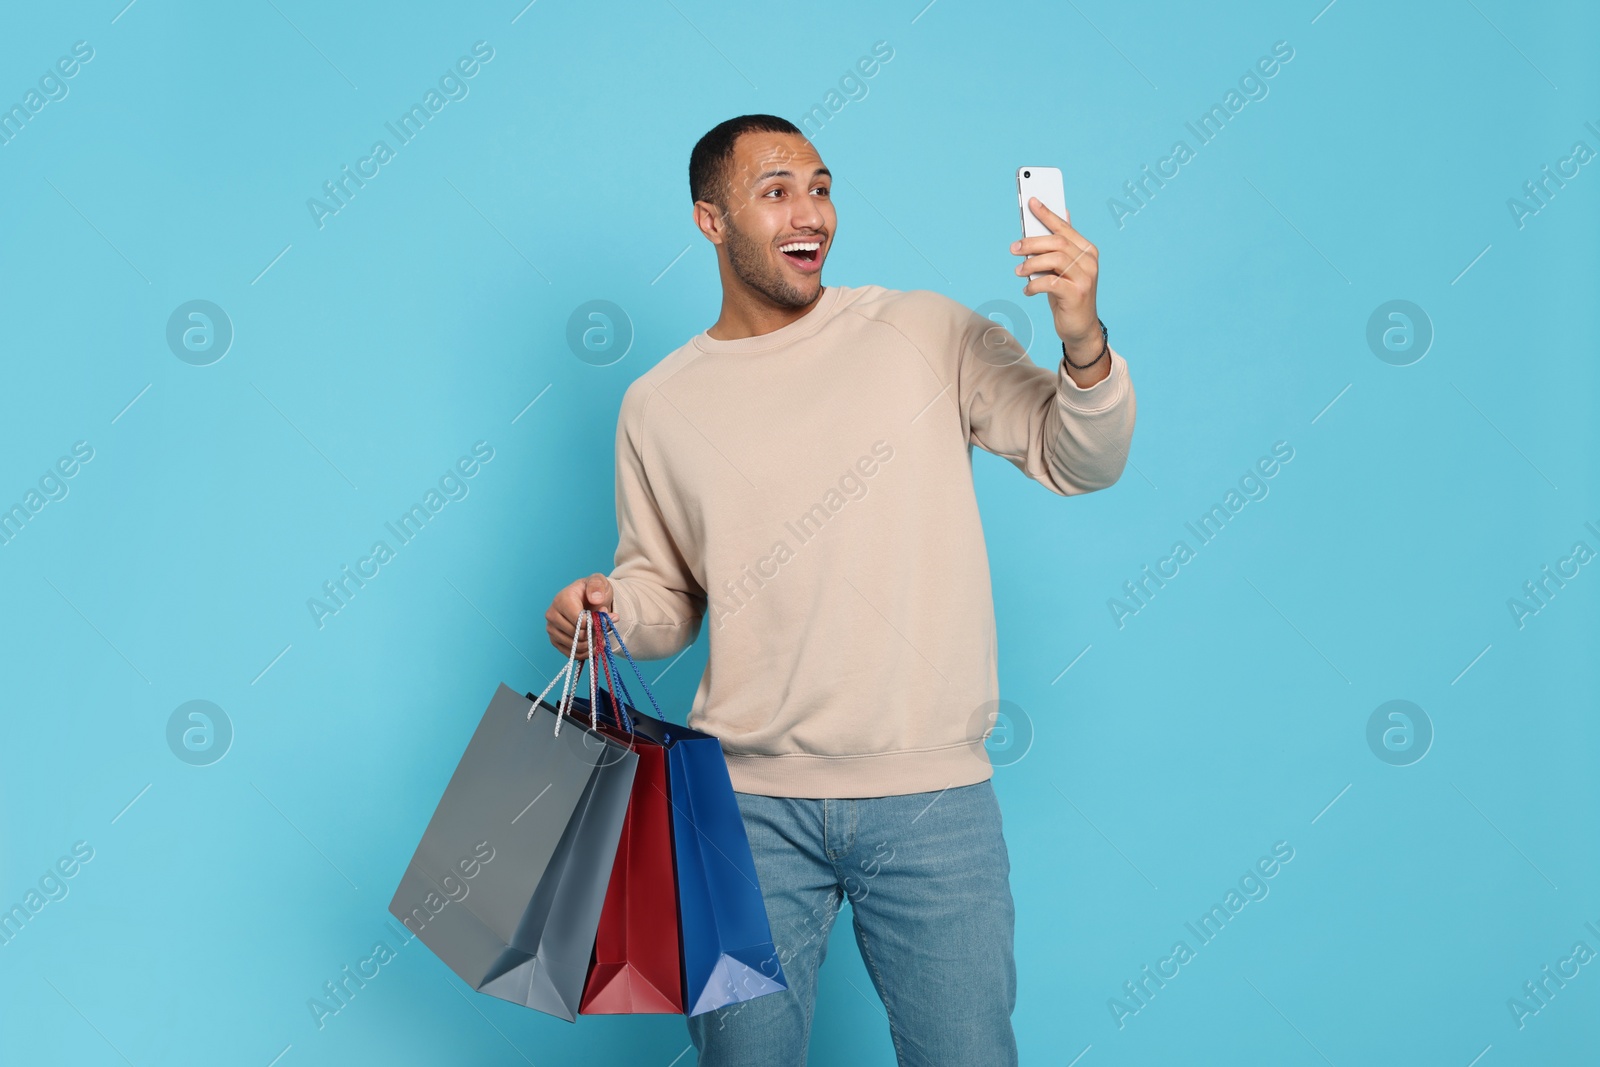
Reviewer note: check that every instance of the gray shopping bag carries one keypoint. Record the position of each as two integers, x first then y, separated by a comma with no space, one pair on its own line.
507,885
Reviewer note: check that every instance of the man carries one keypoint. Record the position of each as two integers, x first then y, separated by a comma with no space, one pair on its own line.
802,470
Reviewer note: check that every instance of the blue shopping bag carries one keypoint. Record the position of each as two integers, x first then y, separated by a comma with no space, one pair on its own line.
728,953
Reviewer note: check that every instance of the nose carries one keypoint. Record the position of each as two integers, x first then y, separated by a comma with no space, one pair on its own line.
806,215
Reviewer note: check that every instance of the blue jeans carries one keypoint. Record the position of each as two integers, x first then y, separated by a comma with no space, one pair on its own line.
928,878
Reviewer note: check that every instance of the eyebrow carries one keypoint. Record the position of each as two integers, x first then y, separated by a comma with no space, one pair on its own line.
764,175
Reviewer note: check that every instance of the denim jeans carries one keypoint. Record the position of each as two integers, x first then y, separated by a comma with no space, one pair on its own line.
928,879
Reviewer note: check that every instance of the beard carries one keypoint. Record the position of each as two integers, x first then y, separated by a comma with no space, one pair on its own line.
754,267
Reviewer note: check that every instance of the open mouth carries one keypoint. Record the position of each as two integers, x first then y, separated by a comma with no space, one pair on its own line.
803,255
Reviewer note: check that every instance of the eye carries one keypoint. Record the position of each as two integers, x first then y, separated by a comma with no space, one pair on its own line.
769,192
823,189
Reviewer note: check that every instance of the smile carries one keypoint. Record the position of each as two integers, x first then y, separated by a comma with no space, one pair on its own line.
803,255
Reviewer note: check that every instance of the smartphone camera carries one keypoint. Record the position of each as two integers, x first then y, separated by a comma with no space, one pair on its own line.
1027,174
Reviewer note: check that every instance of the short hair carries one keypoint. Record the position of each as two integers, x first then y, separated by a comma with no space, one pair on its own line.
708,163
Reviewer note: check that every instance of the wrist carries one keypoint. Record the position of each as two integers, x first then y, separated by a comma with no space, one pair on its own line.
1085,354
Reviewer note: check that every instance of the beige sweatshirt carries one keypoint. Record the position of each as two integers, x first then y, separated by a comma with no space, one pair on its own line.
810,490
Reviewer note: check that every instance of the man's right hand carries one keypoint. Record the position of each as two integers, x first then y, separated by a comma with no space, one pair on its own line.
594,593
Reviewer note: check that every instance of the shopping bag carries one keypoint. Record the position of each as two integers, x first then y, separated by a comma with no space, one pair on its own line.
507,882
727,948
636,968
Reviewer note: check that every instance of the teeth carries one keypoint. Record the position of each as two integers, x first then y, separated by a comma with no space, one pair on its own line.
800,246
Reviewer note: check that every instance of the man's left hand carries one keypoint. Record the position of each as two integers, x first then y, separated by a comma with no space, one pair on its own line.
1070,268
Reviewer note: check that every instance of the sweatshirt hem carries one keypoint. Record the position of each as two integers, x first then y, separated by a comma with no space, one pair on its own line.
879,774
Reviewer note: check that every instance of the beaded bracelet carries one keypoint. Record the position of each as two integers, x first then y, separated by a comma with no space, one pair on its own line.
1105,350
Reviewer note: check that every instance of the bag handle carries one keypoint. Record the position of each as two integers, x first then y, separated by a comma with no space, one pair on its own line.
617,684
611,628
621,718
565,672
569,691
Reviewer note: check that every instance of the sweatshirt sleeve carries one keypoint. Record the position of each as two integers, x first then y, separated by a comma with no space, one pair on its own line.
658,604
1068,439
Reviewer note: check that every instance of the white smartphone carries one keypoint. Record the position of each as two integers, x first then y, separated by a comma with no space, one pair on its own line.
1044,183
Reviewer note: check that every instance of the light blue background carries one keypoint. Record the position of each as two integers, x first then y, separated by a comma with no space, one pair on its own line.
370,354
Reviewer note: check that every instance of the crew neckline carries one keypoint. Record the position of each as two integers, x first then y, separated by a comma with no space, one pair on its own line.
804,326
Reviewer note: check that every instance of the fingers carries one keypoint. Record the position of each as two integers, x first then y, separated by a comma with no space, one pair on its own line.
1054,284
597,592
561,620
1060,228
560,633
1070,264
1055,222
1074,241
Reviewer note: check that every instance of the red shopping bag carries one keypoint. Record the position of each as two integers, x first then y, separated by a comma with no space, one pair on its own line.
637,965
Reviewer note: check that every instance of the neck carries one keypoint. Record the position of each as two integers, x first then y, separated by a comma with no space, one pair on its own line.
751,316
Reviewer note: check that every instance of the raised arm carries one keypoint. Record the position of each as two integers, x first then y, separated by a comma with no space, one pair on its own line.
1065,437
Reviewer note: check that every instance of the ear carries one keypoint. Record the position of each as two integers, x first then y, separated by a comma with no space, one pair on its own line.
708,219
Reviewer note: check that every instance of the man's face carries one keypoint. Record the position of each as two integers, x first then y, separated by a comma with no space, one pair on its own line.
779,197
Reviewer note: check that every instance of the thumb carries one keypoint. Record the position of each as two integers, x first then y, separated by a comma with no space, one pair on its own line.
595,591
